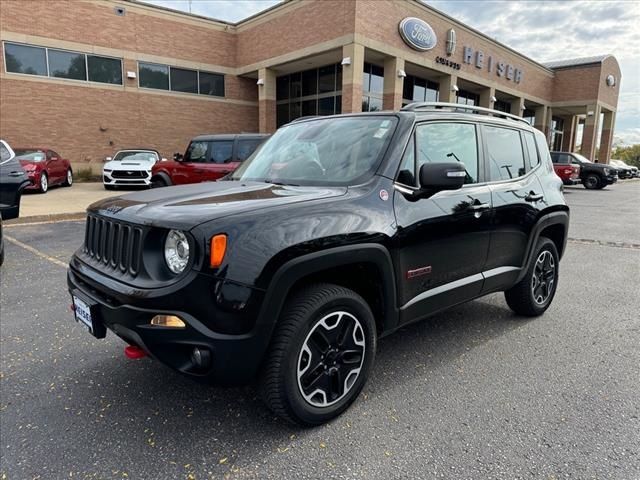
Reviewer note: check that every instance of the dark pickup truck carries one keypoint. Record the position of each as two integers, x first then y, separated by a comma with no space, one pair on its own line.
594,176
338,231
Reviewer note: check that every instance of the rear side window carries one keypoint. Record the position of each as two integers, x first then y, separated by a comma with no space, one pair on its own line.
447,142
221,151
505,155
197,152
534,158
246,148
561,158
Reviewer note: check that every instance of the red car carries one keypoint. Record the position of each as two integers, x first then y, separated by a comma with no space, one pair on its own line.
45,168
567,171
208,158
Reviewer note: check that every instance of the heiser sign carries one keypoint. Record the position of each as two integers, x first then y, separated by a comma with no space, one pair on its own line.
502,69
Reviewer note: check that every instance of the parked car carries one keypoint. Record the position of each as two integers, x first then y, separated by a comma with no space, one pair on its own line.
208,158
13,180
568,172
44,167
624,170
592,175
131,167
337,231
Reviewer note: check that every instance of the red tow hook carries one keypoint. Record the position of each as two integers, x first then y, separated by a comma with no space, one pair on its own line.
134,352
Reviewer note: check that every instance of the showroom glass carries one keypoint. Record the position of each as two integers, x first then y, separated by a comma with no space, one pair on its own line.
372,87
32,60
197,152
416,89
335,151
221,151
504,148
448,142
211,84
534,160
30,155
246,148
65,64
164,77
467,98
502,106
313,92
152,75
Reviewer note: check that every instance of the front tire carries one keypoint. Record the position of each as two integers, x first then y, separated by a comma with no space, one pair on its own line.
44,183
532,295
321,354
592,182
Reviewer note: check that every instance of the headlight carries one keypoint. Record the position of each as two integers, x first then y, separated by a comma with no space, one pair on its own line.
176,251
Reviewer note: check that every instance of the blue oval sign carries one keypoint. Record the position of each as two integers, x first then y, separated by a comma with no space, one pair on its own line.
418,34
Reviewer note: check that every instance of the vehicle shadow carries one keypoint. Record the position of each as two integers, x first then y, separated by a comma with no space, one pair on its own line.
151,398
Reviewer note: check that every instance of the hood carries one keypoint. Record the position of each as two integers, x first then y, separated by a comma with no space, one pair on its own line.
187,206
132,165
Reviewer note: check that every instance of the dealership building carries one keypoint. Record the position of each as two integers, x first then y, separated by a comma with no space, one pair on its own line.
87,77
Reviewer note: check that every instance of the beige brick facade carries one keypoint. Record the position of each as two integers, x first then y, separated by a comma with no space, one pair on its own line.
86,121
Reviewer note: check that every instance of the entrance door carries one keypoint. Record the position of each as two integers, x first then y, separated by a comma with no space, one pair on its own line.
442,241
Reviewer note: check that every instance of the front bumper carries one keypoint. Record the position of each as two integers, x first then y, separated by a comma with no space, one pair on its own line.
234,357
611,179
127,178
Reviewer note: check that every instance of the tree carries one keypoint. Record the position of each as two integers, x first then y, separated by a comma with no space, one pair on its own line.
629,155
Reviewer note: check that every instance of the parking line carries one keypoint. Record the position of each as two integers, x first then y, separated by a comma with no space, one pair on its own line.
35,251
44,222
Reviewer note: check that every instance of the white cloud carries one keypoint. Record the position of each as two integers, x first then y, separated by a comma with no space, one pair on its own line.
548,31
227,10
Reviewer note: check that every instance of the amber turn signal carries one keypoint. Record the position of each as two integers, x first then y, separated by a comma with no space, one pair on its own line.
218,249
168,321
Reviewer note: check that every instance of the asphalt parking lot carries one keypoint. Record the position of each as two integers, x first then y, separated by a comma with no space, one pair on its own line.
475,392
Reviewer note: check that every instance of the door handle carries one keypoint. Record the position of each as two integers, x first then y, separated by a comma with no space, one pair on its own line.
16,174
534,197
476,207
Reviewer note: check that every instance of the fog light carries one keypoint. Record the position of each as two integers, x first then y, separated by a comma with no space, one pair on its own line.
201,357
170,321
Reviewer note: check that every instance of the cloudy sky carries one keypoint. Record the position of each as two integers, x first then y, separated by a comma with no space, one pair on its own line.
542,30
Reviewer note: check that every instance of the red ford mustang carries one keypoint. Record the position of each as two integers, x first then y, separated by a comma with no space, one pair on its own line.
45,168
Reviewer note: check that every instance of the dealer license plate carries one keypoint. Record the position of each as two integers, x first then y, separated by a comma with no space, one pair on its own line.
83,313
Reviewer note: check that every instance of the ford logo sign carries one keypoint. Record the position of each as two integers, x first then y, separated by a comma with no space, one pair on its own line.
418,34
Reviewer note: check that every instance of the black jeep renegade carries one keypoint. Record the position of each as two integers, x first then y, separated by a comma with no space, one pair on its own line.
336,232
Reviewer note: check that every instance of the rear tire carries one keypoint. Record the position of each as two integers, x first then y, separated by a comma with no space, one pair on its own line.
592,182
532,295
69,180
321,354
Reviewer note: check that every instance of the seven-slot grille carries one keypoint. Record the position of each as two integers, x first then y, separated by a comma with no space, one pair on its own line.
114,244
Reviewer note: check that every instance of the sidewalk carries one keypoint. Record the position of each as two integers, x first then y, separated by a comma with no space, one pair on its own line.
61,202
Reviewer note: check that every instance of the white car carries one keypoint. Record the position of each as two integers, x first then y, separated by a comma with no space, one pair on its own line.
129,168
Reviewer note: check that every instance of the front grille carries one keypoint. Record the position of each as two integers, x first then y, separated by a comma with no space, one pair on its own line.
129,174
114,244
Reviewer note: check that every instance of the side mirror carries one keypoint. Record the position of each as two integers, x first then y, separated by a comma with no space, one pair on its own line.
442,176
178,157
163,159
107,159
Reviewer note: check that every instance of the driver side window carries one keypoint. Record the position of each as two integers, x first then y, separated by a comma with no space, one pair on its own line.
197,152
441,142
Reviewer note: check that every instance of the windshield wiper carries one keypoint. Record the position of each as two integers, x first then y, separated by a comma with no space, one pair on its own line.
274,182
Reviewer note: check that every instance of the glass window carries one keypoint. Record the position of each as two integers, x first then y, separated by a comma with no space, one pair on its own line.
419,90
24,59
502,106
534,159
282,87
365,103
32,155
152,75
197,152
310,82
247,147
338,104
183,80
221,152
295,90
324,151
326,106
406,174
104,69
448,142
4,153
561,158
294,110
327,79
282,114
309,107
67,65
467,98
377,79
211,84
506,159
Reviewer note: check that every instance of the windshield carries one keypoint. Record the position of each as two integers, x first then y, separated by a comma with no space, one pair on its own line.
331,151
581,158
30,155
136,156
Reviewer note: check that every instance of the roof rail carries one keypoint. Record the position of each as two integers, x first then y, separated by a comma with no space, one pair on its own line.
420,106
